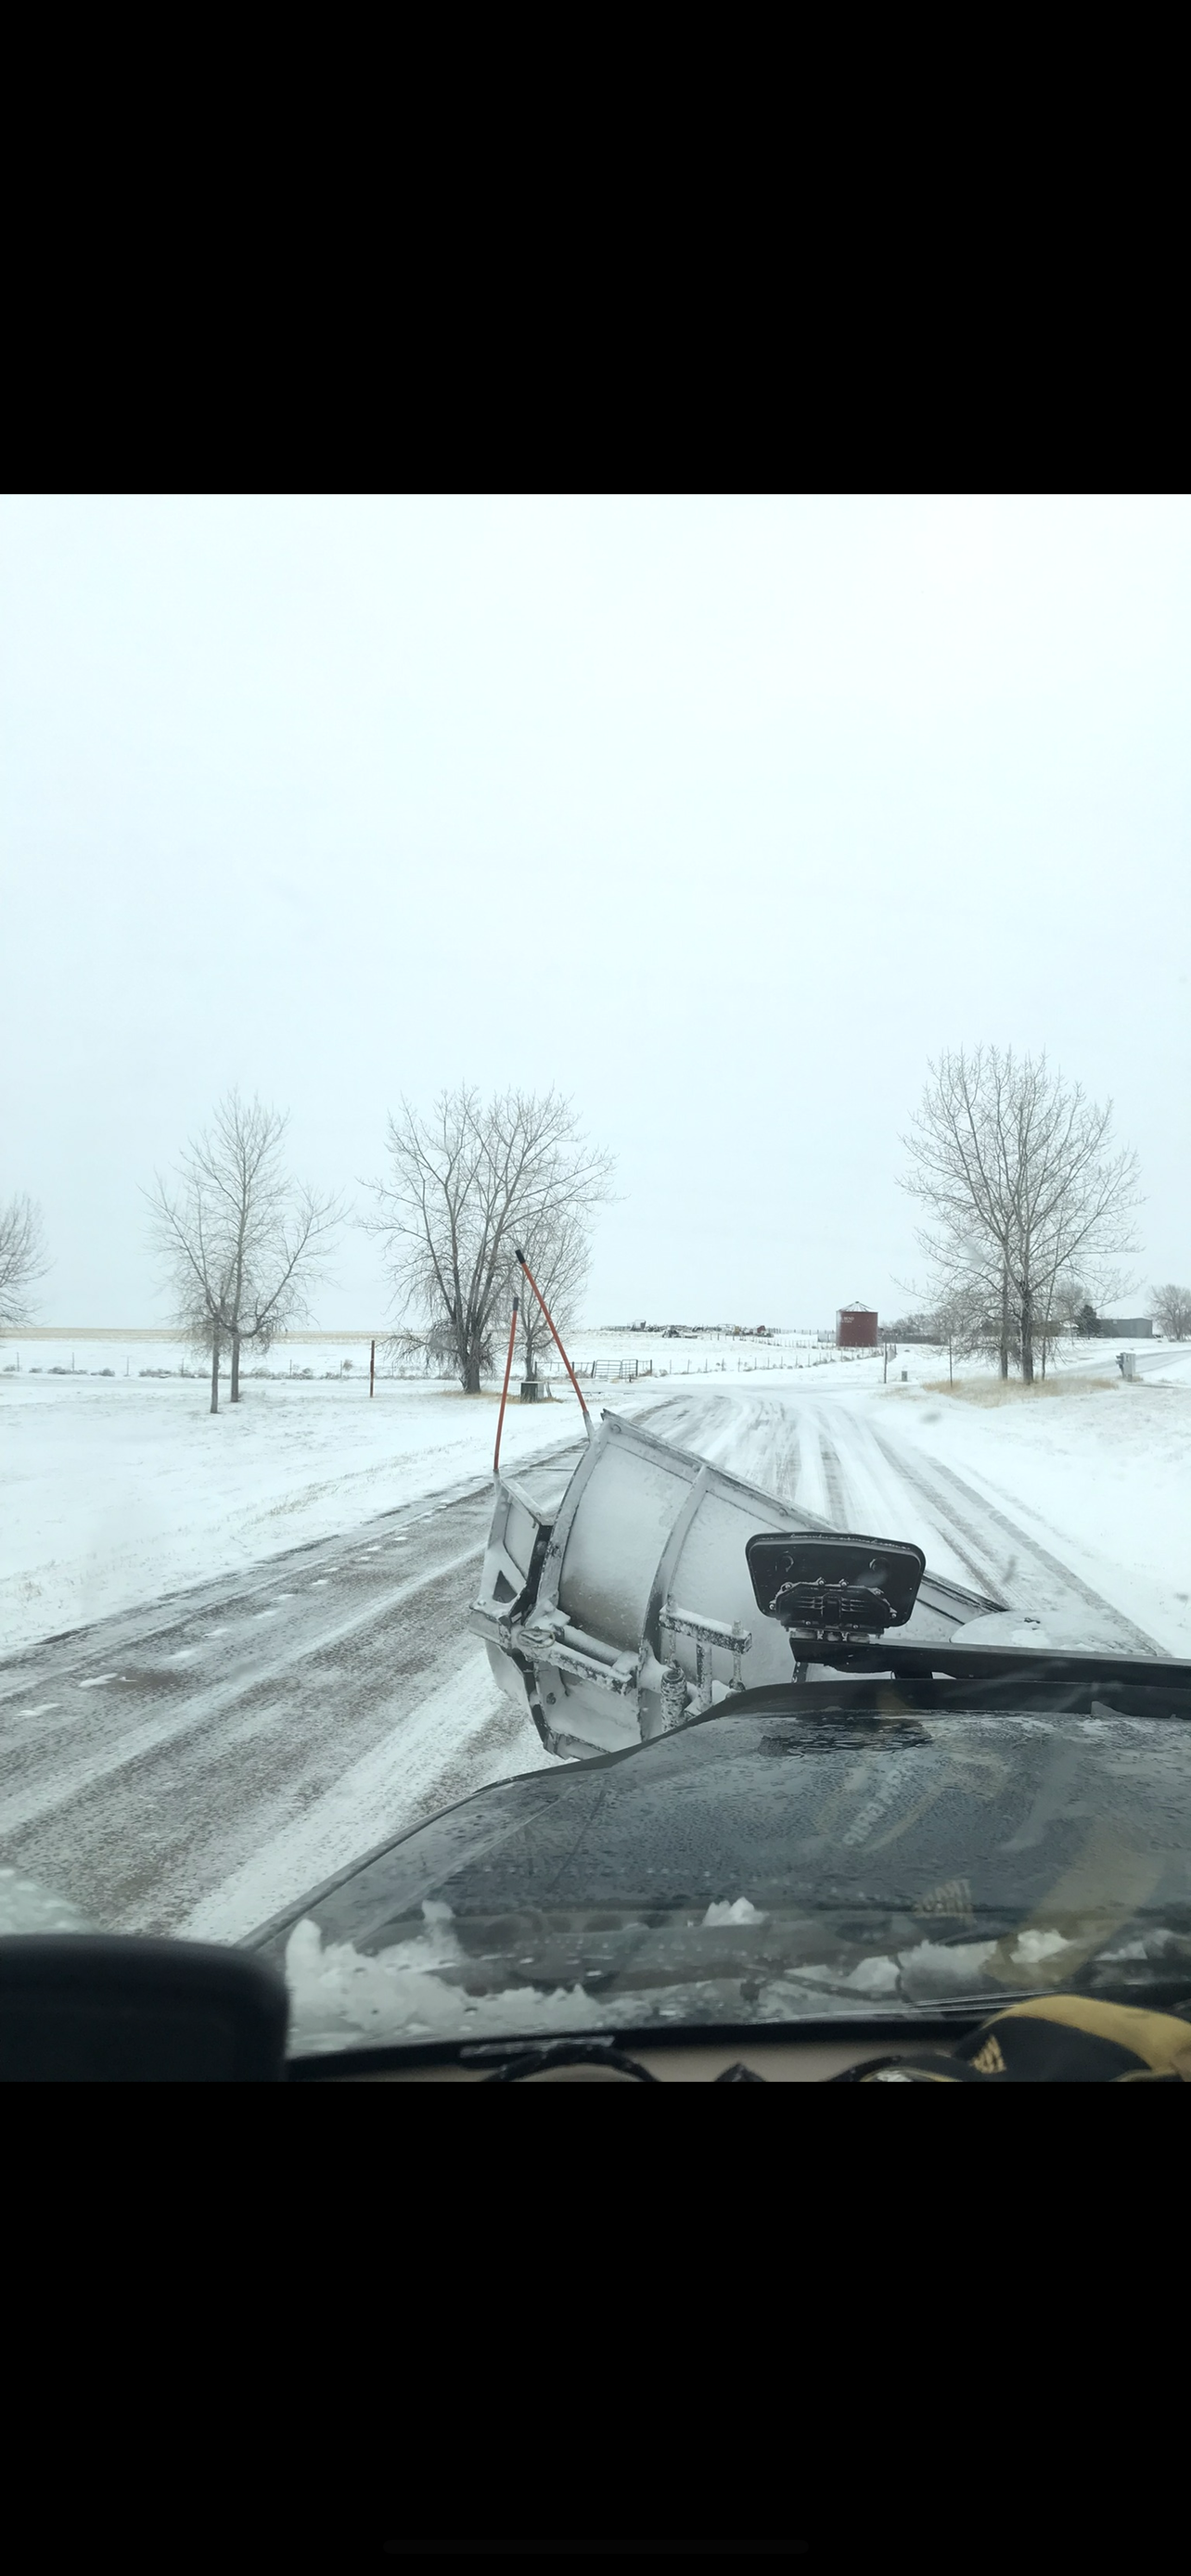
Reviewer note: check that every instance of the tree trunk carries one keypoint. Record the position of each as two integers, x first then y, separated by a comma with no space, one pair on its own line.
471,1382
215,1377
235,1386
1027,1337
1004,1323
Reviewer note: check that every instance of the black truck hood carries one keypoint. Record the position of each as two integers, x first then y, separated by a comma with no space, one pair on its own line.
823,1849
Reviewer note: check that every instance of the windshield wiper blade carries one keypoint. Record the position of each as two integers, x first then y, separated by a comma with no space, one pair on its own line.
992,2000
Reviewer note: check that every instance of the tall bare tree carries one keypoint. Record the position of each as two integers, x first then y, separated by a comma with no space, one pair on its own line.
240,1240
1020,1181
23,1259
1172,1310
465,1186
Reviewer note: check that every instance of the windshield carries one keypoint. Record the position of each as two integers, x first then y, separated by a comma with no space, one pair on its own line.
561,1050
773,1869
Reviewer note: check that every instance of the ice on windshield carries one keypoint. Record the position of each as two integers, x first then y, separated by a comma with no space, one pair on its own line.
585,1903
28,1906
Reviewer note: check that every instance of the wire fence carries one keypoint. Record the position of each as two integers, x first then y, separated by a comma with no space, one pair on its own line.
627,1370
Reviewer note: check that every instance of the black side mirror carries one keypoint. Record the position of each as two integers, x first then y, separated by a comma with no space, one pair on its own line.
97,2008
825,1589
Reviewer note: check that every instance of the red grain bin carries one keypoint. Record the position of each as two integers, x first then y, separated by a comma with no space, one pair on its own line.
855,1329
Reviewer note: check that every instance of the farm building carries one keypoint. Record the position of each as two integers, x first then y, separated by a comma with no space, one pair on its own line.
855,1328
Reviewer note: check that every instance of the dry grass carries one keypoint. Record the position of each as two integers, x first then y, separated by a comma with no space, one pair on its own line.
996,1390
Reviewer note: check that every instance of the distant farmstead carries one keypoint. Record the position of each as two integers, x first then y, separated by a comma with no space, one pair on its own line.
855,1328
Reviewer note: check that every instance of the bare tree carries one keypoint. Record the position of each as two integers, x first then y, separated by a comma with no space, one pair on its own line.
466,1185
23,1259
240,1239
1021,1183
1172,1310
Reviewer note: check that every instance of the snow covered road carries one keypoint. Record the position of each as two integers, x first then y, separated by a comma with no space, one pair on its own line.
846,1457
189,1769
196,1767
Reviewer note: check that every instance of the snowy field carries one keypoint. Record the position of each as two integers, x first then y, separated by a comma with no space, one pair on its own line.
120,1490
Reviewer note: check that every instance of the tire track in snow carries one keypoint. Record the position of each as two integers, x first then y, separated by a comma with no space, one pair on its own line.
858,1463
55,1786
901,1499
459,1738
1033,1577
236,1712
833,1478
758,1440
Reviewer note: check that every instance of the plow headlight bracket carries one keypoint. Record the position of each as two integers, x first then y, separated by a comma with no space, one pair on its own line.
832,1592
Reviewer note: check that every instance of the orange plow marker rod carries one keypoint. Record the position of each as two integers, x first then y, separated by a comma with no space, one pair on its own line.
504,1392
561,1353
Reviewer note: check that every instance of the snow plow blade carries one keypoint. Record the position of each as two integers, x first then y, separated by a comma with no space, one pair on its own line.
616,1602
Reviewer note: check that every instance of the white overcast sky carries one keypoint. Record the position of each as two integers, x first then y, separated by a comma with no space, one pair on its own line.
722,815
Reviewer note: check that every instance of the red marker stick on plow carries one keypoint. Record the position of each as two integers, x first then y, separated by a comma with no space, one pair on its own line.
561,1353
504,1392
